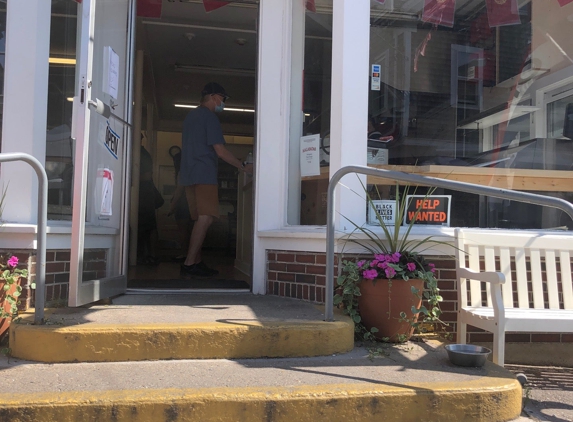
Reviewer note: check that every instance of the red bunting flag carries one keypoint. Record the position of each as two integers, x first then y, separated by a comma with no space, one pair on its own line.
78,1
211,5
310,5
149,8
564,2
439,12
502,12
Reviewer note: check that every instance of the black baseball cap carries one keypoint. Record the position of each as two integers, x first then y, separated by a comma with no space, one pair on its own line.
214,88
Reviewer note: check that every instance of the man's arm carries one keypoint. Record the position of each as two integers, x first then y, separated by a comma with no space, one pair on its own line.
224,154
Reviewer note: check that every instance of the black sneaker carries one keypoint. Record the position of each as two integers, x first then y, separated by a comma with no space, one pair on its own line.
204,267
194,270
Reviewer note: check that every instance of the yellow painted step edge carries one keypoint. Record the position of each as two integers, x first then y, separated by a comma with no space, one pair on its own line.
486,399
210,340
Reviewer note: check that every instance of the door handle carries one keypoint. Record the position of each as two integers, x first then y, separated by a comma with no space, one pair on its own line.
105,110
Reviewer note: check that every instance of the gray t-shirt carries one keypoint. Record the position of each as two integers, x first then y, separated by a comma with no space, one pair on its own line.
201,130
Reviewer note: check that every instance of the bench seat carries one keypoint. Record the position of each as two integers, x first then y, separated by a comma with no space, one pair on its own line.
513,281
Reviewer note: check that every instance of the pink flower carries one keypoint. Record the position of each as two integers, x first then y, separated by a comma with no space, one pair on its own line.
370,274
411,266
13,262
432,269
396,257
383,265
359,264
390,272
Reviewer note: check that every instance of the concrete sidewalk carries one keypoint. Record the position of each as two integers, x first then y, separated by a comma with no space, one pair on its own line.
410,382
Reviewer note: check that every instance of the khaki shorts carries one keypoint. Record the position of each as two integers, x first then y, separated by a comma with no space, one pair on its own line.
202,200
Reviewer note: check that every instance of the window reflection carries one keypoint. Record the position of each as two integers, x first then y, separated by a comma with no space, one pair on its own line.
2,60
61,83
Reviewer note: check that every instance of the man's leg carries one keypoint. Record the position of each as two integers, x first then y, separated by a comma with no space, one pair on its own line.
197,237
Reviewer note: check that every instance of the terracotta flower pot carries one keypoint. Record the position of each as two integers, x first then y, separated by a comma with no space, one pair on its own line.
381,303
5,322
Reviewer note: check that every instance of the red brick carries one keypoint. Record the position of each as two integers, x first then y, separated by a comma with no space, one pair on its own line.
314,269
285,277
448,306
50,292
320,259
566,338
287,289
50,278
518,338
271,256
447,275
446,284
320,295
50,256
295,268
312,293
321,280
63,256
299,291
308,259
481,337
272,275
281,289
545,338
305,292
449,295
95,266
443,263
275,266
285,257
305,278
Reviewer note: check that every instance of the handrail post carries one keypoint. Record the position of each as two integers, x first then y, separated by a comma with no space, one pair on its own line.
40,230
399,176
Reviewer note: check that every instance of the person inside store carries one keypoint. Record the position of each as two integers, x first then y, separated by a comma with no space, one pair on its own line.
179,208
150,200
202,146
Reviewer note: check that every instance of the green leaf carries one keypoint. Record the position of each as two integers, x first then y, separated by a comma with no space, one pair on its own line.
356,318
374,330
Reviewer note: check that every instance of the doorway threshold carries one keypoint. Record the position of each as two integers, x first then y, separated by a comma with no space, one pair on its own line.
180,291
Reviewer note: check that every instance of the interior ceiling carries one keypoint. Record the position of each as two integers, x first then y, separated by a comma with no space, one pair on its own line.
187,48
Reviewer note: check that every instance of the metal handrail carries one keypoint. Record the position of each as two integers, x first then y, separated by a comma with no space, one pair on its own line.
41,228
415,179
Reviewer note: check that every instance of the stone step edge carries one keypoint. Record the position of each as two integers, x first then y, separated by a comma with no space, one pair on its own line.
209,340
485,399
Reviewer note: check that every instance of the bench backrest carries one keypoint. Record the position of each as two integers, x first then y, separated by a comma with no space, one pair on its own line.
536,265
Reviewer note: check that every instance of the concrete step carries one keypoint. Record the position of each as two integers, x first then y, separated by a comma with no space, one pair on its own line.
411,382
154,327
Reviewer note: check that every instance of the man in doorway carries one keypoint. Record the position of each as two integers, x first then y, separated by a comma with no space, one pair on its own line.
202,145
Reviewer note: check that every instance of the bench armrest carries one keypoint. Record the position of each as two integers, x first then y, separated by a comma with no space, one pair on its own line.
492,277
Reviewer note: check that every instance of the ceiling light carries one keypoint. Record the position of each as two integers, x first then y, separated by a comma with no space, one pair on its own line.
62,60
70,99
242,110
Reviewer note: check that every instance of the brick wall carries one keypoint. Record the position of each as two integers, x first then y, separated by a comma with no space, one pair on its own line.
301,275
58,273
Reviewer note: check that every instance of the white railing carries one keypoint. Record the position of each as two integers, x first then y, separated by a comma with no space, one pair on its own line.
40,296
415,179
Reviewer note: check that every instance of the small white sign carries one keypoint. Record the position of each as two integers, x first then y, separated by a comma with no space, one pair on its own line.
105,177
309,155
375,78
385,208
110,72
472,72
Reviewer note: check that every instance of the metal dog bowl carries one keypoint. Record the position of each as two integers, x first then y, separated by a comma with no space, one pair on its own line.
467,354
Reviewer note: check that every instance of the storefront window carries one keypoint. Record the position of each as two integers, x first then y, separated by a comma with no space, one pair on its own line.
61,83
311,86
477,92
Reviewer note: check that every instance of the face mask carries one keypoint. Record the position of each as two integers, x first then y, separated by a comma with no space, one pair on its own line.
219,108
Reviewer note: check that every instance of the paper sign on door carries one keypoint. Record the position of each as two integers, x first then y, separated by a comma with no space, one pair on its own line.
105,177
309,155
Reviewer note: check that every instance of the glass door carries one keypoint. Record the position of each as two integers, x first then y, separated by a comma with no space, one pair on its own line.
101,131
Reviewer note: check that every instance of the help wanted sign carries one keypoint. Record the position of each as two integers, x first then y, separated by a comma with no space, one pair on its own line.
433,210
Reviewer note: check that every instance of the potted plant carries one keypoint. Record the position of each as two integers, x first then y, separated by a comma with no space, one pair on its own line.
394,289
10,283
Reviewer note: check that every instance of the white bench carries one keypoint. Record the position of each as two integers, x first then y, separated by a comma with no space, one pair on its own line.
526,283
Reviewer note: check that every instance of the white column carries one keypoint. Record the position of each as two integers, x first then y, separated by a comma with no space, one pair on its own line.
25,103
273,110
349,118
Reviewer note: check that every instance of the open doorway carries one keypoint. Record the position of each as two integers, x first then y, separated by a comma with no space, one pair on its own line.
185,46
